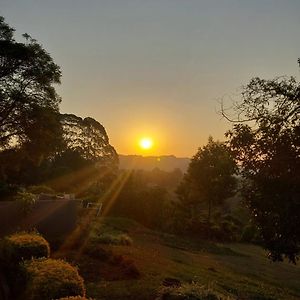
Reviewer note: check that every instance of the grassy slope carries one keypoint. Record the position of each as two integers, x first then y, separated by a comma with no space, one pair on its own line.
236,269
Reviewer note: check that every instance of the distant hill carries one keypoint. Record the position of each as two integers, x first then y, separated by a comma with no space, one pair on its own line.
165,163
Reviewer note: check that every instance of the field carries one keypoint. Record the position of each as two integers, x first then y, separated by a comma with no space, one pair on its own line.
240,271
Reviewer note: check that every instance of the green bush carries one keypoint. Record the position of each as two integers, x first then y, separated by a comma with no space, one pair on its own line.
190,291
8,191
23,245
114,239
249,234
40,189
127,266
97,252
111,232
16,248
51,279
25,201
230,231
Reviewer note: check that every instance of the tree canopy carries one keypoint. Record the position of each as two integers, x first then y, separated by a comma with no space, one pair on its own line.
266,143
37,143
89,138
27,96
210,177
87,155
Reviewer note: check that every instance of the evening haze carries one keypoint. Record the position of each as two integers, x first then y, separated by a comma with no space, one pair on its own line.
157,69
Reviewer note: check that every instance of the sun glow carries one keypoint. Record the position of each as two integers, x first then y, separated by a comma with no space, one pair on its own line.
146,143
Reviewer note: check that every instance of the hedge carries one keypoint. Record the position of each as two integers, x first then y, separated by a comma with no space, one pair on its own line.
22,246
51,279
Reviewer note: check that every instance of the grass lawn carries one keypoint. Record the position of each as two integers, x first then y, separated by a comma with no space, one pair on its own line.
237,270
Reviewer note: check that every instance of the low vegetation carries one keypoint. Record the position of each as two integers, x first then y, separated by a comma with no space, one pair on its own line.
40,189
51,279
22,246
229,271
157,266
105,234
25,201
189,291
31,275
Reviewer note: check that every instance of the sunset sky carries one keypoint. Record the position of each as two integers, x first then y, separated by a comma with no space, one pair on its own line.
157,68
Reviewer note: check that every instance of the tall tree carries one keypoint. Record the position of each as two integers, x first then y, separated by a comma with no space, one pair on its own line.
27,94
86,157
209,179
36,142
266,142
89,138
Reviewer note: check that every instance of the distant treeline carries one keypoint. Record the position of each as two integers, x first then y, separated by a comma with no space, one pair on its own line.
164,162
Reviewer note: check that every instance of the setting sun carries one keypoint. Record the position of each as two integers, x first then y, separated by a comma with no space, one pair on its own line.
146,143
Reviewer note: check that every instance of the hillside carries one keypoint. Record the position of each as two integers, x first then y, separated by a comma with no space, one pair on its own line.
165,163
238,271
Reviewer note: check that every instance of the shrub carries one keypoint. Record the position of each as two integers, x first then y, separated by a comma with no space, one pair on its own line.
97,252
51,279
18,247
127,266
249,234
229,231
21,246
130,269
113,239
189,291
199,228
40,189
233,219
25,201
124,264
8,191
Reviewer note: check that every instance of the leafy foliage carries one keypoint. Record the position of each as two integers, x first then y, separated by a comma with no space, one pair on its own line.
38,189
37,143
26,89
25,201
89,138
139,200
209,179
113,239
22,246
192,290
266,143
29,125
87,157
51,279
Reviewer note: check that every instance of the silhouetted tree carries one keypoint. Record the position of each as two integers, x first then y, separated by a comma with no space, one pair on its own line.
89,138
29,125
140,200
86,159
209,179
266,142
